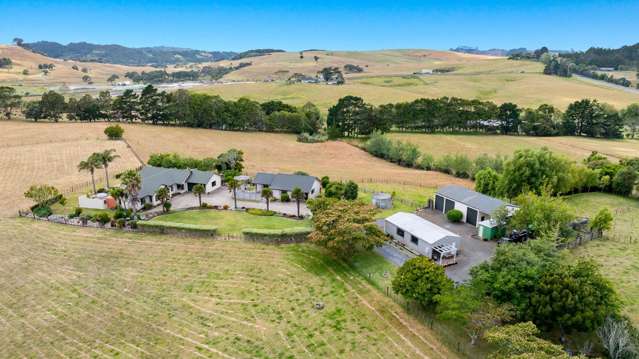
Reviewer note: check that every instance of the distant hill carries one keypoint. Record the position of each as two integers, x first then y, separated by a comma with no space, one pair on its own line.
117,54
623,57
255,53
498,52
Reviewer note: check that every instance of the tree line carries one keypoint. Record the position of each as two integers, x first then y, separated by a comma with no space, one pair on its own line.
351,116
181,108
162,76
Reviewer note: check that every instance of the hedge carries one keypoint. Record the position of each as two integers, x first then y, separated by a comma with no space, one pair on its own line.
289,235
177,228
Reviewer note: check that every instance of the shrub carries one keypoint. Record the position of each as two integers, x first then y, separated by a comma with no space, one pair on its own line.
307,138
454,215
122,213
120,222
102,218
420,279
167,206
114,132
351,190
285,197
259,212
42,211
226,206
133,224
101,190
63,201
77,211
147,206
205,205
426,162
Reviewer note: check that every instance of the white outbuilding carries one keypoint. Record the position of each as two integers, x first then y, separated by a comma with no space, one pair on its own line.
424,237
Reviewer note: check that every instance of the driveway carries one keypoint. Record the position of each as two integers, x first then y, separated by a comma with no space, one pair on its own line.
222,196
473,250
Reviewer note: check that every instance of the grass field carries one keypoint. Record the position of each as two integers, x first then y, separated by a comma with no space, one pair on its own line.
575,148
618,255
31,154
63,74
388,77
406,198
69,292
231,222
49,153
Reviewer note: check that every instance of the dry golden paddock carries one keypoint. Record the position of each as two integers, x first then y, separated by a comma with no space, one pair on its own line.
49,152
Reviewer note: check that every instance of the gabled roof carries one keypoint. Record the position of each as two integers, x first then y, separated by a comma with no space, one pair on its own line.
155,177
472,199
419,227
200,177
285,182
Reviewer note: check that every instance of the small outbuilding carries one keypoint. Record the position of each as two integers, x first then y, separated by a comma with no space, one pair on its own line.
424,237
382,200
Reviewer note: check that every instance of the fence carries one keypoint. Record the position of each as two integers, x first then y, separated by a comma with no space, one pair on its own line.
407,202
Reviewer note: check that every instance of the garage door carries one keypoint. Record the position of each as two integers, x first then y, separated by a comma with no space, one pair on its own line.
449,205
439,203
471,216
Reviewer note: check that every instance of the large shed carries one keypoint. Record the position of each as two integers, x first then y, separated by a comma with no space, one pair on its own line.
476,207
422,236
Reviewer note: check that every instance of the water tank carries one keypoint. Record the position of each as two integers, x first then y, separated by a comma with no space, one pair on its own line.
382,200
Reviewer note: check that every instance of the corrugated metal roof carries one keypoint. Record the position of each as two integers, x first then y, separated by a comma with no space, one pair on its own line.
472,199
419,227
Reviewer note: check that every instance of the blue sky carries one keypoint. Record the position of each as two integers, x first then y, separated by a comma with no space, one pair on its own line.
325,24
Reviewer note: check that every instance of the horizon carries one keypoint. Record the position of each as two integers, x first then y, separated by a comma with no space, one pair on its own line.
346,25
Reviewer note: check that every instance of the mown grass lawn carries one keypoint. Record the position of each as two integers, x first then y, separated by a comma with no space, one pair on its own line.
232,222
619,253
406,198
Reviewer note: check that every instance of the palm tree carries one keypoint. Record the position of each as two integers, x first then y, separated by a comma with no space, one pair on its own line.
297,195
132,183
233,185
117,193
90,165
198,190
104,158
267,194
163,195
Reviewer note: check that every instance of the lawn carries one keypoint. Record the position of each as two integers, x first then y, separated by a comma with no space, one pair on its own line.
406,198
232,222
71,292
619,254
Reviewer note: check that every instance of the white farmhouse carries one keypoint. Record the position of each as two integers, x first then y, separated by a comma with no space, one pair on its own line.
176,180
422,236
285,183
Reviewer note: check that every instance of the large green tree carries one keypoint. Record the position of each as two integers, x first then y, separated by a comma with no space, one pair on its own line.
344,227
543,215
487,182
536,171
508,117
630,116
9,100
52,106
351,116
419,279
522,341
572,298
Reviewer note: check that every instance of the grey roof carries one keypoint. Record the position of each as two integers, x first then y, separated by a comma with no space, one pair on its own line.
472,199
285,182
201,177
155,177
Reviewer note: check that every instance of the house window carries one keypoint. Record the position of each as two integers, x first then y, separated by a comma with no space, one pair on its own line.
400,232
312,190
214,183
414,240
180,187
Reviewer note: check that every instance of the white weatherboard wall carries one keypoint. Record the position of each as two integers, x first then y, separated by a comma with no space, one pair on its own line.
315,190
91,203
210,187
435,235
